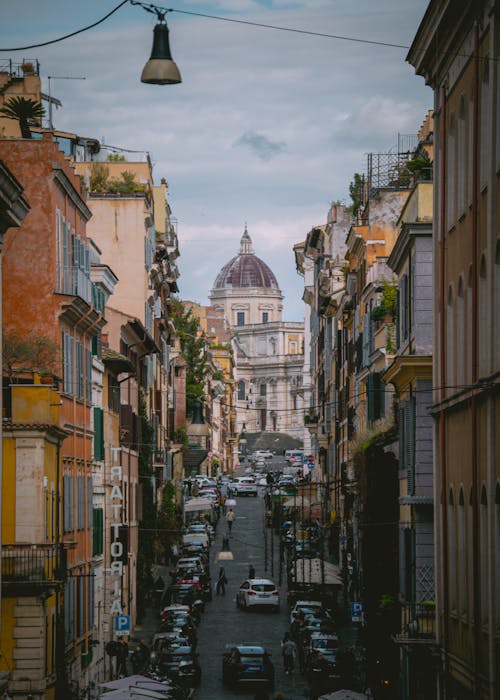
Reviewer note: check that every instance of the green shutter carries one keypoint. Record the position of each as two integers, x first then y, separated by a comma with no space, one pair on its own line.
98,434
410,444
370,389
97,531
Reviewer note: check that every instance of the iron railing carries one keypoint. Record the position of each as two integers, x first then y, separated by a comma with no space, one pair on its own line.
18,69
33,563
418,622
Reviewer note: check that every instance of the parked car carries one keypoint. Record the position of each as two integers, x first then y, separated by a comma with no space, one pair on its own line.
247,665
305,606
244,486
181,665
262,454
258,592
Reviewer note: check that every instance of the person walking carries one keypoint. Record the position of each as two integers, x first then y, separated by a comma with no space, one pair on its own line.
230,516
223,504
221,582
251,571
289,651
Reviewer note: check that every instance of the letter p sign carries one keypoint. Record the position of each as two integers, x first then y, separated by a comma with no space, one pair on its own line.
122,624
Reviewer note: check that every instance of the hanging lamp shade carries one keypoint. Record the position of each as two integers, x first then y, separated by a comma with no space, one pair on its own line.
225,553
161,69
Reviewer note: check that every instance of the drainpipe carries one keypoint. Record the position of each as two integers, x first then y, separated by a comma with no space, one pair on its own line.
442,379
476,572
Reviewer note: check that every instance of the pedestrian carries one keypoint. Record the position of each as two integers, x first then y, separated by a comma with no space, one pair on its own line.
121,658
289,651
223,504
221,582
230,516
251,571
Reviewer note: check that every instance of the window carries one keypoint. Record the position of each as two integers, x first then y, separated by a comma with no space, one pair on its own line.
88,376
462,157
241,390
265,317
80,503
68,364
483,549
240,318
263,389
68,503
375,397
407,411
69,609
484,136
113,394
450,340
97,531
98,434
461,340
462,573
450,174
293,347
79,370
452,551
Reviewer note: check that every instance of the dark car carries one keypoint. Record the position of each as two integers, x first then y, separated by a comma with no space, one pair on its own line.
320,666
184,593
247,664
181,665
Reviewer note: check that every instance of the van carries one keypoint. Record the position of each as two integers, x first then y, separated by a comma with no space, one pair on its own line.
298,456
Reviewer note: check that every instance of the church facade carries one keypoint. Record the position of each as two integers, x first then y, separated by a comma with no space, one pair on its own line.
269,352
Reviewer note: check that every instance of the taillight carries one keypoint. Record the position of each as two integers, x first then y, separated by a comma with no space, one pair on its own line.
252,593
275,593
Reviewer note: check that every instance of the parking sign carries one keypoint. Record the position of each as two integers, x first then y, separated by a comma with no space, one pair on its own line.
122,625
357,612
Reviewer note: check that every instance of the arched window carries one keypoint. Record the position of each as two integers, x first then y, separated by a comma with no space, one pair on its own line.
497,554
484,135
463,166
452,551
470,330
460,332
241,390
470,144
462,560
451,348
483,549
450,172
483,330
470,558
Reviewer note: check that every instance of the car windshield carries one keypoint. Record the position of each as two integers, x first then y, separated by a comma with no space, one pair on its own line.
263,587
325,644
252,661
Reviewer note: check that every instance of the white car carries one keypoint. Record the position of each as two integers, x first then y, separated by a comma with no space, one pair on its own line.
262,454
258,591
244,486
305,606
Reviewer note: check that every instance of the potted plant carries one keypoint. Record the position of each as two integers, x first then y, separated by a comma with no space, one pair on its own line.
28,68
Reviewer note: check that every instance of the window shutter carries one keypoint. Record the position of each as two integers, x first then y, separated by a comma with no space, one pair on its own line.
402,563
90,501
370,398
88,374
410,443
398,317
81,605
65,504
91,600
98,434
71,365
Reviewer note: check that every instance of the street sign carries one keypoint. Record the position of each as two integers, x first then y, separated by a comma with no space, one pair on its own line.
122,625
357,612
310,465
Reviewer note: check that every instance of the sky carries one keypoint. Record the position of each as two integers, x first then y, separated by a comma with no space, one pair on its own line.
267,127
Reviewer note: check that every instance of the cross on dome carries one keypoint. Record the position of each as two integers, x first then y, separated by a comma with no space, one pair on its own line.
246,247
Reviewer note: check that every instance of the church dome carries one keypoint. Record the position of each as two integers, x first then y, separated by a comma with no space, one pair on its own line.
246,270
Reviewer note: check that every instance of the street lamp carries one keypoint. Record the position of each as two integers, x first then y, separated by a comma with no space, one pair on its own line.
161,68
225,554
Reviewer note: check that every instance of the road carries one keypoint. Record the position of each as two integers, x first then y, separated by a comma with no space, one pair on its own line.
222,623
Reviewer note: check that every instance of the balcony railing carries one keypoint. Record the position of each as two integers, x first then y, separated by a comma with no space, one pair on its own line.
418,623
42,564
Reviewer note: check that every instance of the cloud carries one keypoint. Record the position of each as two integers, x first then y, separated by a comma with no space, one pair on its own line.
264,148
267,127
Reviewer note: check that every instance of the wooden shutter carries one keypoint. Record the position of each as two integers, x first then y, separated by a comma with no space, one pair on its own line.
98,434
410,444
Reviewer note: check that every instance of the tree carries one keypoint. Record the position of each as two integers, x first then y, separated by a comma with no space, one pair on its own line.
167,521
145,554
193,351
29,352
23,110
356,193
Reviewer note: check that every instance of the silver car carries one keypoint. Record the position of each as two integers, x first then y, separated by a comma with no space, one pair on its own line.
256,592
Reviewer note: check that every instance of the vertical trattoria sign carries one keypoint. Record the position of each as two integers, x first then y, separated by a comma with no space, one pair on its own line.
116,544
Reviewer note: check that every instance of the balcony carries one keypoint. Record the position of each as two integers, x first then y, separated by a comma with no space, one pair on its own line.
418,623
31,568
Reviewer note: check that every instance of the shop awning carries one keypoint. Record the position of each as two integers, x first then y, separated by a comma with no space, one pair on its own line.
316,571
